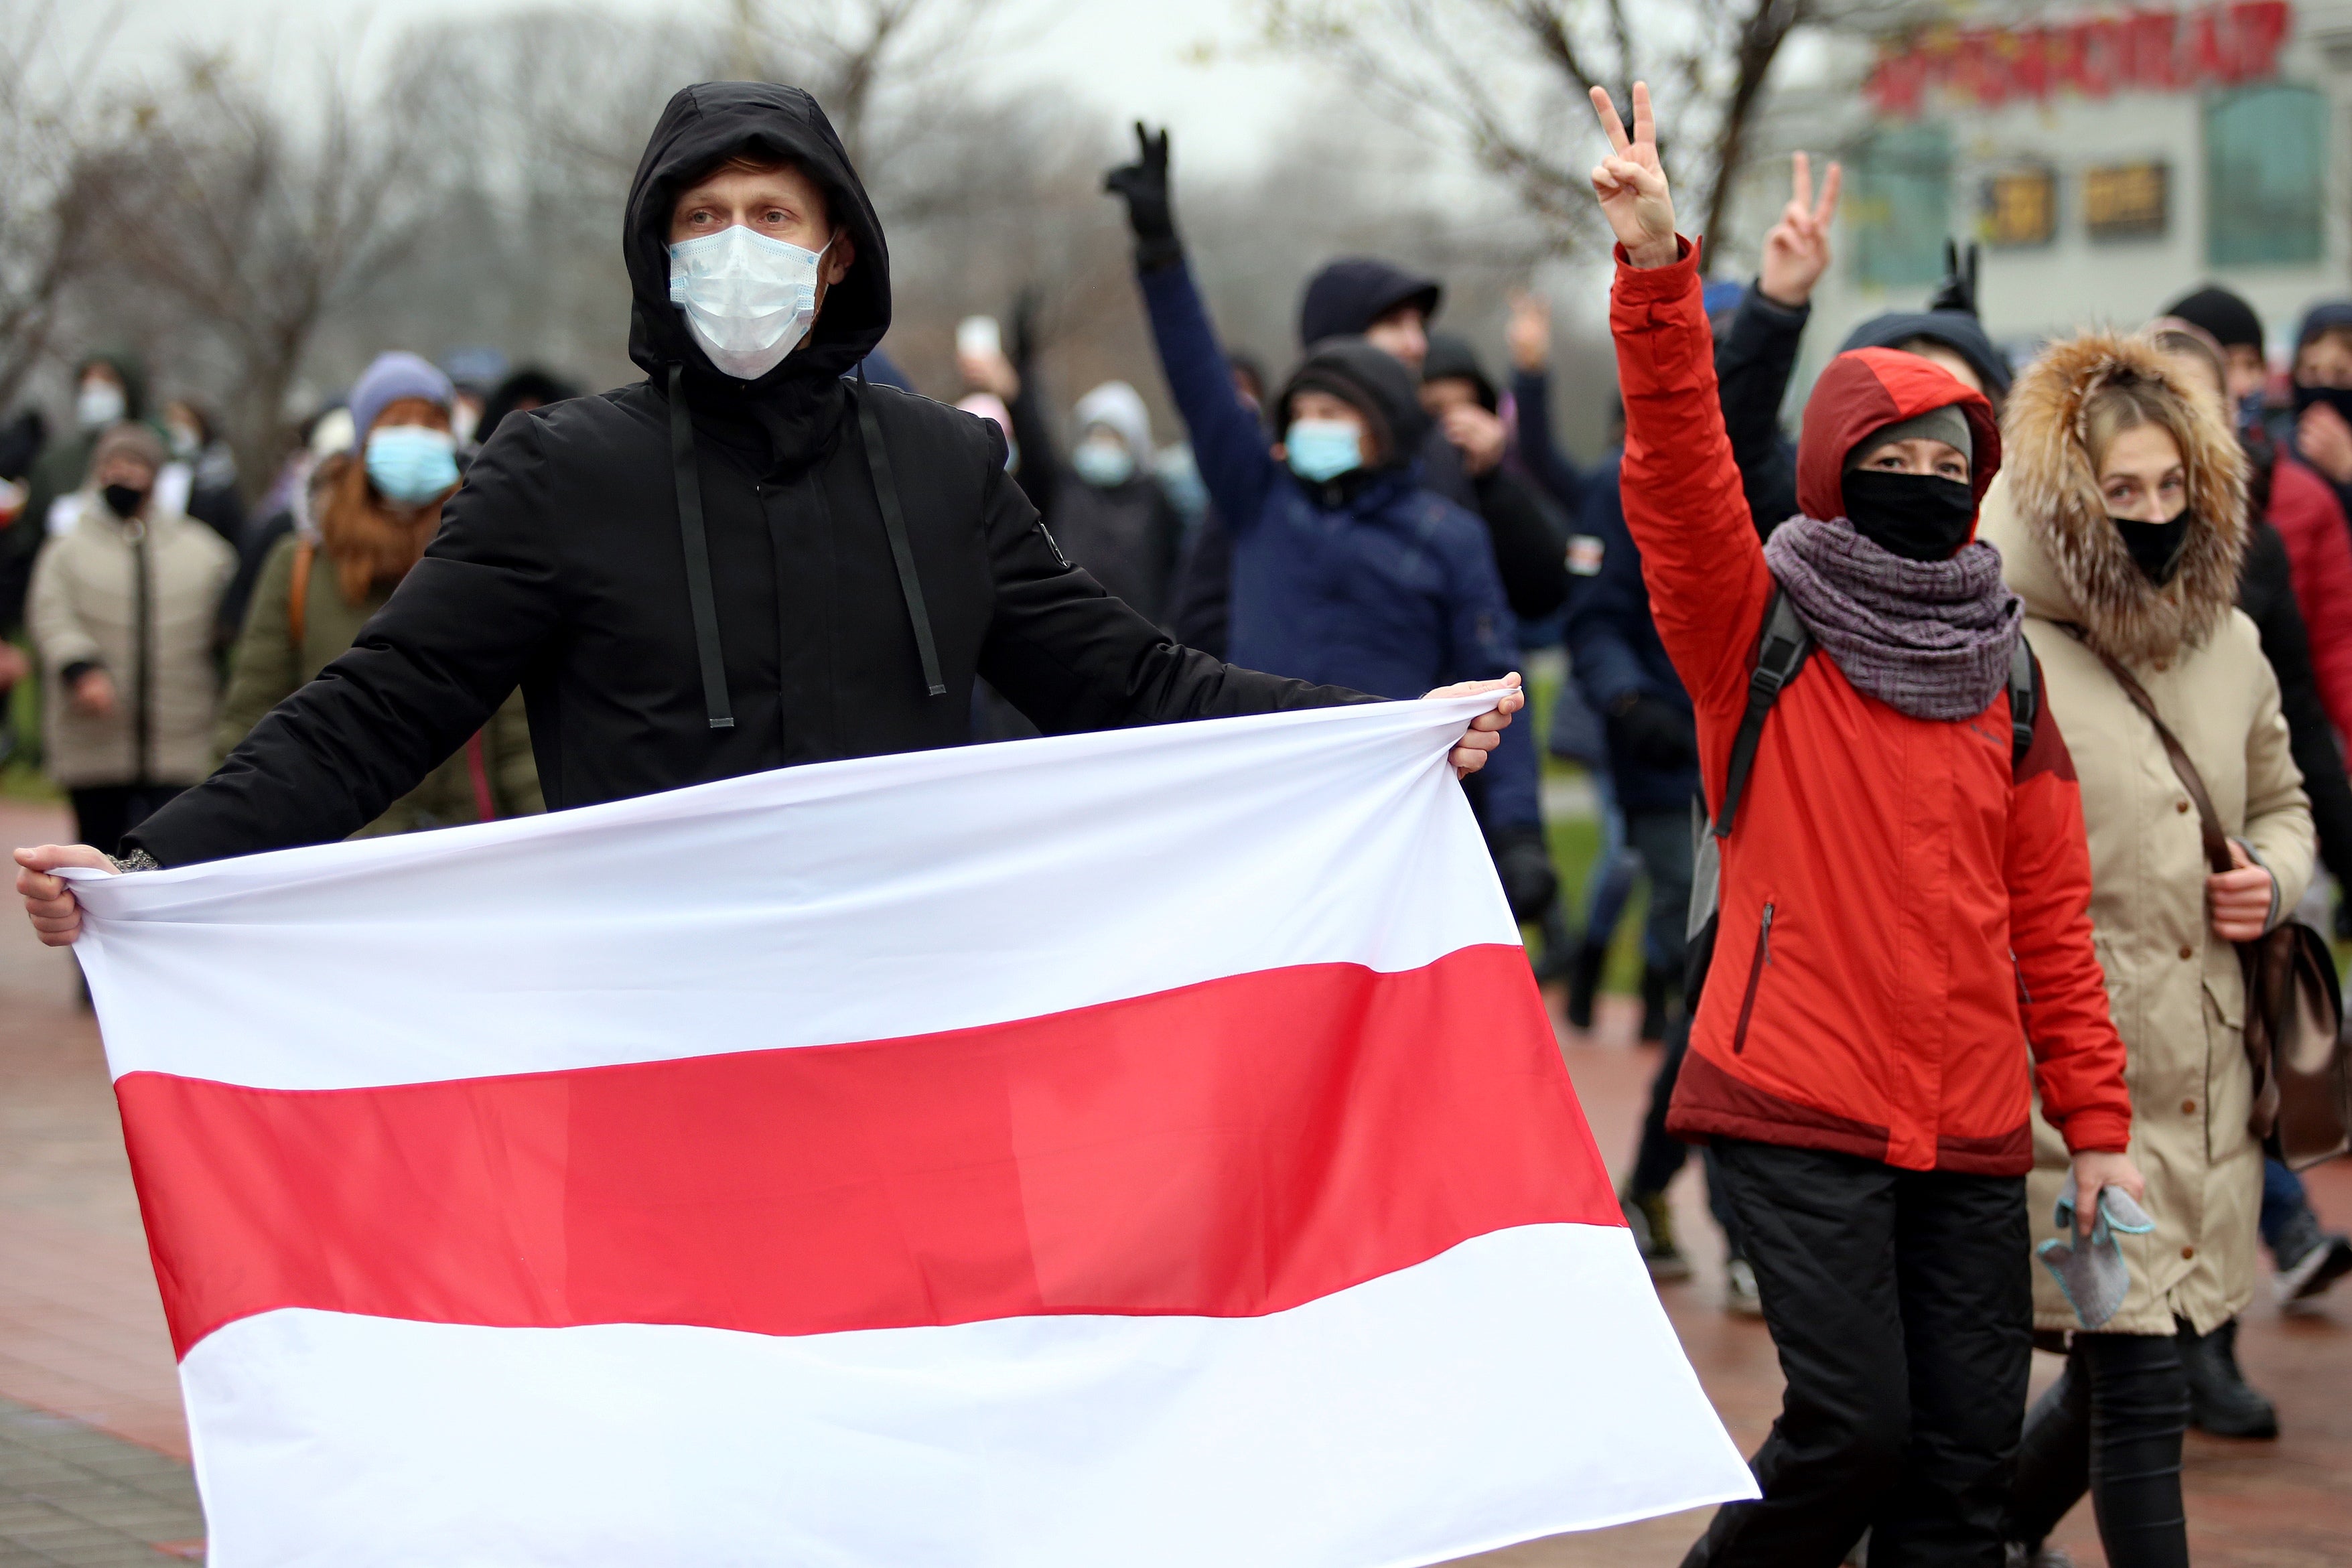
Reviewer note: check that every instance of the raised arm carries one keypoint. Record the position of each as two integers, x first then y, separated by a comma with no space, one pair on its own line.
1755,357
425,673
1684,504
1530,335
1229,444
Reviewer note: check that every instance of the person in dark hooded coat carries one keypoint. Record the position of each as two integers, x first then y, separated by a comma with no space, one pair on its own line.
1530,539
700,575
1346,568
109,388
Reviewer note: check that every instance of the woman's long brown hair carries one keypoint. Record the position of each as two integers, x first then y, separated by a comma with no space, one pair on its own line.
370,543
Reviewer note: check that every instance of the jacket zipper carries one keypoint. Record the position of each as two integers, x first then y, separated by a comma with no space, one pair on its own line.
1755,978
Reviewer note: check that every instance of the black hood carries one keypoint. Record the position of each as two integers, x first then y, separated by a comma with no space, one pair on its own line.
129,369
1955,329
703,124
1348,294
1451,358
1375,385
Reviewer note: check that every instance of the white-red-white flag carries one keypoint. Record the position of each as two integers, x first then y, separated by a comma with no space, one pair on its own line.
1145,1148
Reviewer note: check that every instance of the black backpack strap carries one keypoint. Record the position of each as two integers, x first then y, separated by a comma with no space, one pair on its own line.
894,524
1781,649
699,600
2024,700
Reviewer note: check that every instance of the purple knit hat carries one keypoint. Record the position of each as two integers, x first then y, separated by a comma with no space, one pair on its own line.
393,376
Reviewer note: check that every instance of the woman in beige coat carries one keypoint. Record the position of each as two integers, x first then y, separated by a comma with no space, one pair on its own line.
121,612
2120,521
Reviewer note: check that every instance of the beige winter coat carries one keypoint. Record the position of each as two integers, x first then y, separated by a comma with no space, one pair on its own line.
83,610
2173,986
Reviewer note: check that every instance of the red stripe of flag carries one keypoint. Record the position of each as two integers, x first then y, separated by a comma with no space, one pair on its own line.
1230,1148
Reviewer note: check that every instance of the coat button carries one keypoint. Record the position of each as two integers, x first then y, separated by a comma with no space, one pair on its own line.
2187,1107
2188,1252
2162,665
2187,951
2181,806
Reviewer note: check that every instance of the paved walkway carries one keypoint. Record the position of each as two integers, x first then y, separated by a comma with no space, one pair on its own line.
92,1447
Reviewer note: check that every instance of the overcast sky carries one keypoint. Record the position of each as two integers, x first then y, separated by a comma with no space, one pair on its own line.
1193,65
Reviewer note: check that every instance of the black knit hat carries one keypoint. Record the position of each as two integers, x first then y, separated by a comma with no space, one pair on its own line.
2227,316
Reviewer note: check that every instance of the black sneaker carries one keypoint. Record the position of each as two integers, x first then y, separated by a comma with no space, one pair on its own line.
2220,1401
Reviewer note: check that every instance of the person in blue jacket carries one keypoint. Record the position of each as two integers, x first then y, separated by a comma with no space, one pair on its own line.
1345,567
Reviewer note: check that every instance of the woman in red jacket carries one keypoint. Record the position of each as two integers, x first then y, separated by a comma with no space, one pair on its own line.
1901,905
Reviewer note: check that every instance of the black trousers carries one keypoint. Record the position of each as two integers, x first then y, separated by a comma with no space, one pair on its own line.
104,812
2111,1426
1901,1306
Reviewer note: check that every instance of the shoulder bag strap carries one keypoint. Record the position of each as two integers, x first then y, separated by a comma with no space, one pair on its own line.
1782,649
297,594
2217,842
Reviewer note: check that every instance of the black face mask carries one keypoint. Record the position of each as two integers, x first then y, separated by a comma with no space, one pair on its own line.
124,501
2154,547
1919,516
2337,398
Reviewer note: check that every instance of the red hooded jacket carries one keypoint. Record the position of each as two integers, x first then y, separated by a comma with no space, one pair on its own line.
2308,517
1900,915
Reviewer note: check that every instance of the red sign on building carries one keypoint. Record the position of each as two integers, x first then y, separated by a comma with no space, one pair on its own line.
2148,51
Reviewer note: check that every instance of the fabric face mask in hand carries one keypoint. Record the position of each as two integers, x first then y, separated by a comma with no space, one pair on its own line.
410,463
1320,450
748,298
1919,516
1104,464
2154,547
2091,1273
98,404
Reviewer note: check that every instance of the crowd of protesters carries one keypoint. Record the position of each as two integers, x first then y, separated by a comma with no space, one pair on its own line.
1887,714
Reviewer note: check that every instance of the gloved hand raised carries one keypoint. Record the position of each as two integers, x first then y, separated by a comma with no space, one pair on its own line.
1144,185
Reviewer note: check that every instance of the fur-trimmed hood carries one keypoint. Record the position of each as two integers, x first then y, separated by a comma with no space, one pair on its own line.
2060,552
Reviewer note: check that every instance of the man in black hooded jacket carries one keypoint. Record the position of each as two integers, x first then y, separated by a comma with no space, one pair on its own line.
699,576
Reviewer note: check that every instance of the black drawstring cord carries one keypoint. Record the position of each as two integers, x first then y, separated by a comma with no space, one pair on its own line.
699,595
894,523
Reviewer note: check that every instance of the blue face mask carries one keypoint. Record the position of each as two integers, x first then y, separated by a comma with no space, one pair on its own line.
1322,450
410,463
1105,464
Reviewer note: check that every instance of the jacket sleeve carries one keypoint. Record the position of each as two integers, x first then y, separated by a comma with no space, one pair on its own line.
1600,654
57,631
2078,1058
425,672
1228,443
2319,553
265,667
2278,818
1752,367
2269,601
1039,471
1529,547
1071,657
1684,504
1539,454
1485,639
1201,613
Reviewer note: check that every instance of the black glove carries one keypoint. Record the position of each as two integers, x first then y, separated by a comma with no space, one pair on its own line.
1648,732
1523,862
1144,183
1958,290
1021,348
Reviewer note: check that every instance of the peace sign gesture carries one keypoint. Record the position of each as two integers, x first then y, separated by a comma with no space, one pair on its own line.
1632,184
1797,251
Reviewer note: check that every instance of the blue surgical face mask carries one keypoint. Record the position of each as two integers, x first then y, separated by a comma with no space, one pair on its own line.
1322,449
411,464
1104,463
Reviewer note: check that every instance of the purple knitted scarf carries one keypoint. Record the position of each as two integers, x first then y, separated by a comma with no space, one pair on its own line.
1927,638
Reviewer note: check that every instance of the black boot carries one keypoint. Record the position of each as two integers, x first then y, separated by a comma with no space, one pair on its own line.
1584,983
2220,1401
1654,982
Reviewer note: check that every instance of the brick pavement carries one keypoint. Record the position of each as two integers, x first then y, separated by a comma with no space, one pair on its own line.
82,1337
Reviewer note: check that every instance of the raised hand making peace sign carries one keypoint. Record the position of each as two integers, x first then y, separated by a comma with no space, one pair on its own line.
1632,184
1797,251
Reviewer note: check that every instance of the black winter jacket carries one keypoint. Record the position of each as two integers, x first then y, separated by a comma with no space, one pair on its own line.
560,567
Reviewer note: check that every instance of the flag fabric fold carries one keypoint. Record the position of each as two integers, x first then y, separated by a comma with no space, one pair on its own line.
1144,1146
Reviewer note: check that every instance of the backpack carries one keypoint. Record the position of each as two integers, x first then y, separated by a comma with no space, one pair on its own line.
1781,649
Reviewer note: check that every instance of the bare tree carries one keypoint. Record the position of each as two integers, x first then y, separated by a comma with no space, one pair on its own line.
1511,77
49,141
256,224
